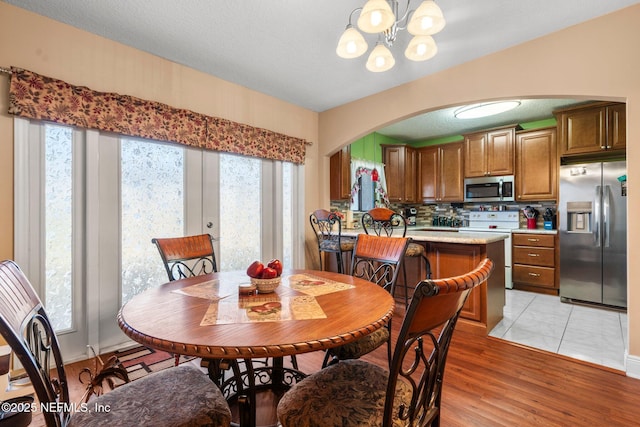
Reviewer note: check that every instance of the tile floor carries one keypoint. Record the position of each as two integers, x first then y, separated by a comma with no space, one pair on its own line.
582,332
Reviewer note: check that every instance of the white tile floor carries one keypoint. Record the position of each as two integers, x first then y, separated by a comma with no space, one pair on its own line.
582,332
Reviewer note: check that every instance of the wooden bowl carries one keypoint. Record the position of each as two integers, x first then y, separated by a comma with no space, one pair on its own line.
266,286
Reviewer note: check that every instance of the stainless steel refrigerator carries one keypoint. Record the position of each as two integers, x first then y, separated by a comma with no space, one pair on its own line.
593,233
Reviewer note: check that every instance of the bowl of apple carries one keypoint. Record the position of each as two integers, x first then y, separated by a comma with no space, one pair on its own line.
265,277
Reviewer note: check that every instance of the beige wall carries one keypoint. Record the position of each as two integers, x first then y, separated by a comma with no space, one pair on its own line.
598,59
53,49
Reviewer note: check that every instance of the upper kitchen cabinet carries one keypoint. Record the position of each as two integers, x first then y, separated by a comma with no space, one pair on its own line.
592,129
489,153
400,167
536,165
340,174
440,173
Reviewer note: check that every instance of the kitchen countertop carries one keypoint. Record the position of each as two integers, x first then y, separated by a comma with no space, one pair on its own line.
449,236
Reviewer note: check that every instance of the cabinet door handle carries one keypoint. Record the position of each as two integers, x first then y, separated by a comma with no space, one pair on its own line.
533,240
534,274
534,254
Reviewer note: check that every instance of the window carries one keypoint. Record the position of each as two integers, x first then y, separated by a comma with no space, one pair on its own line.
88,205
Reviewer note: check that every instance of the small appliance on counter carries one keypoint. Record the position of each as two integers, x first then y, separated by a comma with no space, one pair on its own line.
410,215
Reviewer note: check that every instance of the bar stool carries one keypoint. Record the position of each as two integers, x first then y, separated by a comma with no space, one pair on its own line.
327,228
384,221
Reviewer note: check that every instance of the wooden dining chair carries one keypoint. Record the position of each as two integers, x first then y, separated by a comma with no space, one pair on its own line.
358,393
327,228
376,259
181,396
187,256
385,222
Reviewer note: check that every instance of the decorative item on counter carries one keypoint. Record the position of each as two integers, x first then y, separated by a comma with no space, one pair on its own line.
549,217
530,214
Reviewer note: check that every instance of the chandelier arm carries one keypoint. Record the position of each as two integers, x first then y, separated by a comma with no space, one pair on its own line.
405,17
357,9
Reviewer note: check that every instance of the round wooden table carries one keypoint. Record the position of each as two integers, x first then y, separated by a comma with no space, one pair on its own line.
204,316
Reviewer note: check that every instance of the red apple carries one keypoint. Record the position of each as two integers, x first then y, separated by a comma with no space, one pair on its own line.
276,264
269,273
255,269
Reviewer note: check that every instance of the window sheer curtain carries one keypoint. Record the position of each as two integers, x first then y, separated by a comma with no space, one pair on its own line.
366,167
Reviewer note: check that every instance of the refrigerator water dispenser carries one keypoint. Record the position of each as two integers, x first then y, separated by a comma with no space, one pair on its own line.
579,217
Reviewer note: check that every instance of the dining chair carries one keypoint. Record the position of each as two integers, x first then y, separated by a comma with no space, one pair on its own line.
327,228
181,396
376,259
384,221
359,393
187,256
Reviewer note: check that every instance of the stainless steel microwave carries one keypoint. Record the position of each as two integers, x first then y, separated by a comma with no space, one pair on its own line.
489,189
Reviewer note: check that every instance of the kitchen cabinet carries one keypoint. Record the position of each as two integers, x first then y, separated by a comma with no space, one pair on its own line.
536,165
592,129
535,262
340,175
489,153
400,167
440,173
483,308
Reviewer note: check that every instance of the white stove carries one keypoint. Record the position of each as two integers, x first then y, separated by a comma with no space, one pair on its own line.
496,222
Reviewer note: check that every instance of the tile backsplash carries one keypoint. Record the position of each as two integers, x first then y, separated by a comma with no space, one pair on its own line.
454,211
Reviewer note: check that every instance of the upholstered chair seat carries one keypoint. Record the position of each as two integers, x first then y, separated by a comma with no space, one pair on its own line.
363,345
349,393
180,396
415,249
331,245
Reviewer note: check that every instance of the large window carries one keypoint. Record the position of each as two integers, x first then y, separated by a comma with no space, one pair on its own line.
152,205
88,205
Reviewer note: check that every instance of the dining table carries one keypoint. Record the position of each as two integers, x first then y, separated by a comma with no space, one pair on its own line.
215,318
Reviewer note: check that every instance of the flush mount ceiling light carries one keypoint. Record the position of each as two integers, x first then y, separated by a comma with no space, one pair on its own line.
485,109
380,17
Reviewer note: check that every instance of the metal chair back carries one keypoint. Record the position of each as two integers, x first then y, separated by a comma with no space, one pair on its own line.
187,256
423,344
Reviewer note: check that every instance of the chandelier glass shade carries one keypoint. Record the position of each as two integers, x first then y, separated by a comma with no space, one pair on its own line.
381,17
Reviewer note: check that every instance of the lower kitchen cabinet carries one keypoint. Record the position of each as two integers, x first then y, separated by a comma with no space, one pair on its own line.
483,309
535,262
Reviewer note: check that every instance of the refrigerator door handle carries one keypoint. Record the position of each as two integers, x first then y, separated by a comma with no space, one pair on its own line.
596,216
606,215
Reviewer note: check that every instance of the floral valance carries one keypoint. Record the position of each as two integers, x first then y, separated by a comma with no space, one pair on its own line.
38,97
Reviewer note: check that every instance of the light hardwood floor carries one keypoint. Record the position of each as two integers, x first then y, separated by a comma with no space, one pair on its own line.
489,382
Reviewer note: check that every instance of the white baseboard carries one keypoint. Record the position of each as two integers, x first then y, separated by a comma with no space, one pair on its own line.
633,366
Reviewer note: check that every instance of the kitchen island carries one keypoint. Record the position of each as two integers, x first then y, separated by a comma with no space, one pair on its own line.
452,254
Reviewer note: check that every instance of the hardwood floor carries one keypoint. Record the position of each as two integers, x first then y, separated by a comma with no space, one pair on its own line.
489,382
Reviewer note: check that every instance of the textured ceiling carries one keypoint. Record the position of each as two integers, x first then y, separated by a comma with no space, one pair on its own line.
286,49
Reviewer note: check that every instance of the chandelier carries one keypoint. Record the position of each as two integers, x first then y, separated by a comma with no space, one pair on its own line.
380,17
